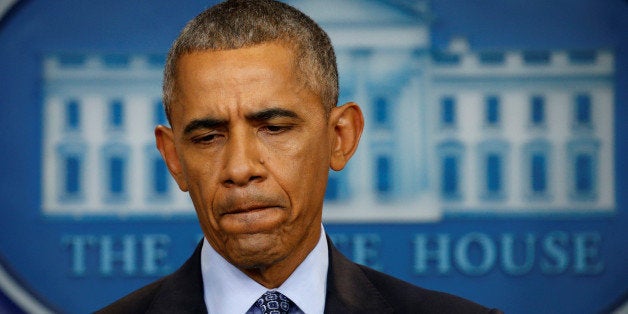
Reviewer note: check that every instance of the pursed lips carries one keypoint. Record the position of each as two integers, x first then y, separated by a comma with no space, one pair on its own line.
253,202
247,209
241,206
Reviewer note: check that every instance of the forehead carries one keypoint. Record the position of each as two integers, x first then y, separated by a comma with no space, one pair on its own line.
216,78
272,58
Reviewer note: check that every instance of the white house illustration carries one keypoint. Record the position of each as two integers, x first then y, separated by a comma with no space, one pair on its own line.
447,132
99,152
522,131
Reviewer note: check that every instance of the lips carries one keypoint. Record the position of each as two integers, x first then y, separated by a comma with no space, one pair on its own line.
243,213
247,204
248,209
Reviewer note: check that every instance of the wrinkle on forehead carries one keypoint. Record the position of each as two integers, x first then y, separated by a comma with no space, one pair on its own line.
245,66
236,82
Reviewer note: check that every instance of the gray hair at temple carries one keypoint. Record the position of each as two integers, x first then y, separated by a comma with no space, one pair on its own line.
235,24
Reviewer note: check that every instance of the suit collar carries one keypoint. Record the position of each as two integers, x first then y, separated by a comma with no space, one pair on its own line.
348,288
182,291
227,288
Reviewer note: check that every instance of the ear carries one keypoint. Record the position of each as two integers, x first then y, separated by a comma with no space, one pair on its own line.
165,143
346,123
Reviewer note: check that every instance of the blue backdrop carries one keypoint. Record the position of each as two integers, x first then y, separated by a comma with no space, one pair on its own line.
75,263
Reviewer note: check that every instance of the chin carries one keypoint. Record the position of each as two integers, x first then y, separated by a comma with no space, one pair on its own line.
255,251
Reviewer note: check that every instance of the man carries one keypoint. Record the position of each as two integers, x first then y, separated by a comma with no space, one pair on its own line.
250,90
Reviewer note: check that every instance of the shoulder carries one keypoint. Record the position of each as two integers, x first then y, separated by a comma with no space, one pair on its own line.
354,288
405,297
138,301
179,292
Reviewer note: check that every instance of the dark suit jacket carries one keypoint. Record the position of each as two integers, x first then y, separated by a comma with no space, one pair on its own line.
351,288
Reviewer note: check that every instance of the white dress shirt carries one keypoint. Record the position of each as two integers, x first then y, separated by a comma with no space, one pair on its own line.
230,291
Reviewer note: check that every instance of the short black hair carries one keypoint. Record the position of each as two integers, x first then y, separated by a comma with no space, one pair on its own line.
237,24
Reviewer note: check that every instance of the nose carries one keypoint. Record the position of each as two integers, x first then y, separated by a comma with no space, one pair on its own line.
242,162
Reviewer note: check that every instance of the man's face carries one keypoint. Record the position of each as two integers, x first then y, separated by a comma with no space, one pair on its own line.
252,146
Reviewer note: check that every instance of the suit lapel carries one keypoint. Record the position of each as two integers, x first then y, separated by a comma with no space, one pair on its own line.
348,289
182,292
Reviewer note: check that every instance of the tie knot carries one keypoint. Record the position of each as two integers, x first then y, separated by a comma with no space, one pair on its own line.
273,302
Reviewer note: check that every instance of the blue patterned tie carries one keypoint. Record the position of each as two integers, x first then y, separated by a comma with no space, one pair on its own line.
273,302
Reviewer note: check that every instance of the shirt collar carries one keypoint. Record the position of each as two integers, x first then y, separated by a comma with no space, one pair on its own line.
228,290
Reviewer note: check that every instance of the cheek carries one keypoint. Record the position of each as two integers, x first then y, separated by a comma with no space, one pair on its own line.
302,172
203,194
201,178
200,164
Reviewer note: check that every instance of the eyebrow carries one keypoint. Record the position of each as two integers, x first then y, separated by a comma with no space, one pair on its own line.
272,113
259,116
206,123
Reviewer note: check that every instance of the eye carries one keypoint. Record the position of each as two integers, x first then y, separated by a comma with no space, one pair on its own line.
275,129
206,138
